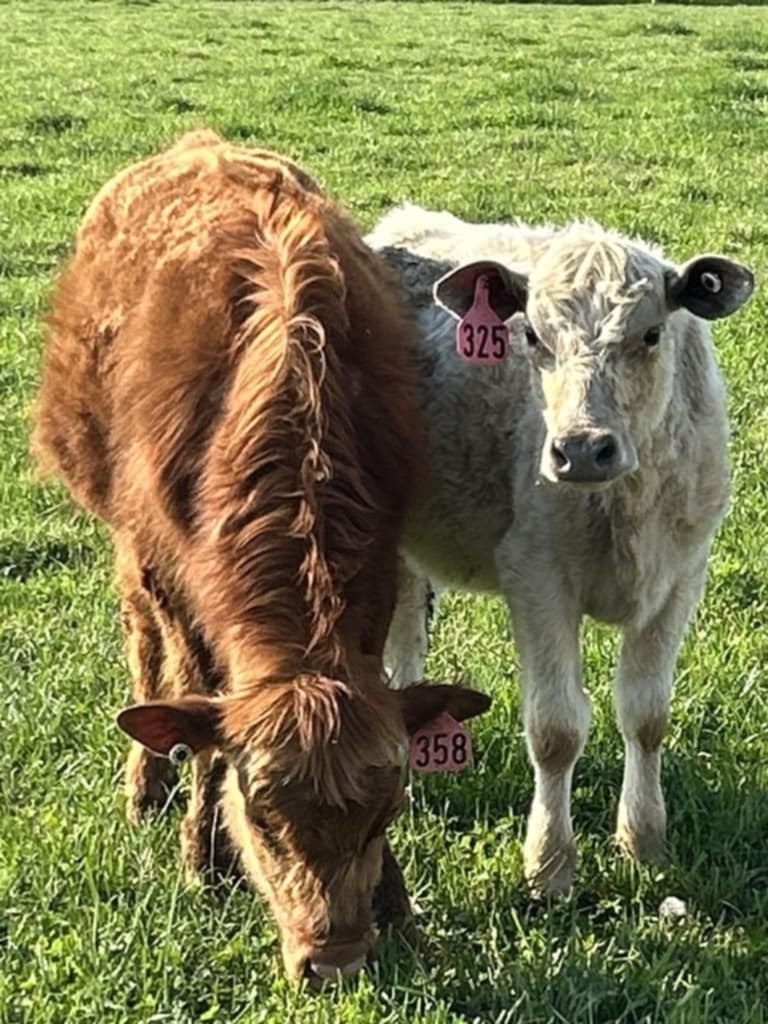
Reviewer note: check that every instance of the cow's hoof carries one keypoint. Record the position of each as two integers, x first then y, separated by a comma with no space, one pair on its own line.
647,844
551,872
641,829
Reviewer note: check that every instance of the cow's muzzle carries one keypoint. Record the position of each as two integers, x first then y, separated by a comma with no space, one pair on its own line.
329,965
589,457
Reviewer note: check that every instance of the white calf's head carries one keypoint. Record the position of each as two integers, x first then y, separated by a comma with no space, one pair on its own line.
594,315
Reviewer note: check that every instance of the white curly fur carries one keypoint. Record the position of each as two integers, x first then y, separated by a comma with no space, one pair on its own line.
632,552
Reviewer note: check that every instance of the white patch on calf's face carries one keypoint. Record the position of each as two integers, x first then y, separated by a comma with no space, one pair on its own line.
594,373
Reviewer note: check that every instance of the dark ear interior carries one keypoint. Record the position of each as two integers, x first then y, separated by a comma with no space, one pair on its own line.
710,286
423,703
160,725
508,294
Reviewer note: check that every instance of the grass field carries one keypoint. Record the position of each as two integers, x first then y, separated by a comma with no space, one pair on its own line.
653,119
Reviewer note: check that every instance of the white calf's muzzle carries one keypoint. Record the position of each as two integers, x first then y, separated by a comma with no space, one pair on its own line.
588,457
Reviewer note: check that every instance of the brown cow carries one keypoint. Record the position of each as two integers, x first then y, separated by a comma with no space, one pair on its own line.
226,385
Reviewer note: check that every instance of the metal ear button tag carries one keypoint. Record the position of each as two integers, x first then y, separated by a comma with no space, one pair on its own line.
180,753
711,282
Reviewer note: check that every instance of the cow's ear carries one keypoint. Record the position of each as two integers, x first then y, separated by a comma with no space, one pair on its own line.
161,726
710,286
508,291
423,703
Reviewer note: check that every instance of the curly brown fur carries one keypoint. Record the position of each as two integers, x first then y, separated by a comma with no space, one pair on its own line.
226,383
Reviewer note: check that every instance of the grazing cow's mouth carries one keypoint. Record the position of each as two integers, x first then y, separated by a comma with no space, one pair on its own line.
320,975
329,966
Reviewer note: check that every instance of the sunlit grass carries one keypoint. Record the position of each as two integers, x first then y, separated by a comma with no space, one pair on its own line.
652,119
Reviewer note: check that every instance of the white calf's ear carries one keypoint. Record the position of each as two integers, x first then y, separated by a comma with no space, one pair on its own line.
710,286
508,291
175,729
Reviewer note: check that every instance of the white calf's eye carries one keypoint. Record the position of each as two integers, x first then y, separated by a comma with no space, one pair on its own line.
652,336
531,337
179,753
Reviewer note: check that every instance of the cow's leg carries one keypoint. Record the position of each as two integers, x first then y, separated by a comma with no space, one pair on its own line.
556,716
643,690
408,638
150,780
205,844
189,669
556,712
391,903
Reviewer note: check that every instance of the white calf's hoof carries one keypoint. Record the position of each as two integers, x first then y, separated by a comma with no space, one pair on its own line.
551,873
646,844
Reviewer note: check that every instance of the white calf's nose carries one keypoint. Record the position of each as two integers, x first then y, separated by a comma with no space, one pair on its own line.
329,972
588,457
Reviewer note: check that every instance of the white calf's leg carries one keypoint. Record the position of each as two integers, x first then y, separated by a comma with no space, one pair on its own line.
408,638
643,691
556,715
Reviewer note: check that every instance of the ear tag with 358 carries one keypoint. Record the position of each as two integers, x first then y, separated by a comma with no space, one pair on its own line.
482,337
442,746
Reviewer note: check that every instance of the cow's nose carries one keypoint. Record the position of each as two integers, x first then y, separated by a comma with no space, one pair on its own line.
586,458
319,971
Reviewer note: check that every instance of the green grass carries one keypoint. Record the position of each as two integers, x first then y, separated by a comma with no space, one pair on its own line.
654,120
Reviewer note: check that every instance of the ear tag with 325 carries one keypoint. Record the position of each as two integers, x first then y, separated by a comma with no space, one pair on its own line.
482,337
444,745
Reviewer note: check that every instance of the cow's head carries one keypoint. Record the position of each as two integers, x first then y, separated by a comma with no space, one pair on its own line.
316,773
593,316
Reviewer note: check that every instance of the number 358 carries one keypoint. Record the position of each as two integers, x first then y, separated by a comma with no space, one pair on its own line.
439,747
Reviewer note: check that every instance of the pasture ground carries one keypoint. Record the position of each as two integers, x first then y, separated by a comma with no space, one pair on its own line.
652,119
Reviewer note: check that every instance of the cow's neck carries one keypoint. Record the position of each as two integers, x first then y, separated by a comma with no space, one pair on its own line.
257,657
666,474
644,523
251,662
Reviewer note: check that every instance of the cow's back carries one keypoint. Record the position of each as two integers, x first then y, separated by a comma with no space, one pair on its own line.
143,316
227,381
145,262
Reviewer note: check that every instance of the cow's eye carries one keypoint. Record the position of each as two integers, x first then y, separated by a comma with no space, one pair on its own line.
652,336
531,337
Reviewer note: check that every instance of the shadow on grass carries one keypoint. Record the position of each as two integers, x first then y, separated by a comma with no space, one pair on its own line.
54,123
179,105
550,955
23,169
20,562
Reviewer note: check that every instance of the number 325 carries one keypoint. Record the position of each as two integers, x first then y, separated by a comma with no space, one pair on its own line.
475,339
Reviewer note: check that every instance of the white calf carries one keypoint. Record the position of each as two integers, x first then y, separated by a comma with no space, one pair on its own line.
584,475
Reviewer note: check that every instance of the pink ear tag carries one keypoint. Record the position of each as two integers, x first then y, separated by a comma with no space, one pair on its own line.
442,746
482,336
